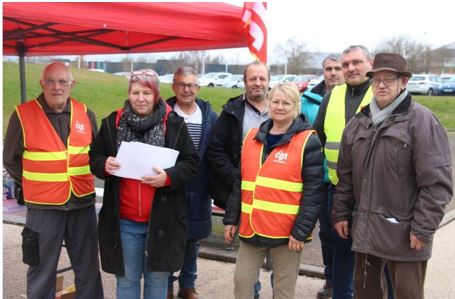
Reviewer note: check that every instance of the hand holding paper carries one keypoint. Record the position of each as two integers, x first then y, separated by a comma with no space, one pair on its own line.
156,180
138,159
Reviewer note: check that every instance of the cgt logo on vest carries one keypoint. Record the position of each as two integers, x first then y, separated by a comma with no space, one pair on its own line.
80,128
281,157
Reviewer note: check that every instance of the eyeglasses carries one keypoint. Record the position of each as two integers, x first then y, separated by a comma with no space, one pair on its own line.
182,85
50,82
387,81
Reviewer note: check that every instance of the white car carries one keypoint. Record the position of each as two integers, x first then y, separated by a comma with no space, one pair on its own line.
211,79
275,79
232,81
425,84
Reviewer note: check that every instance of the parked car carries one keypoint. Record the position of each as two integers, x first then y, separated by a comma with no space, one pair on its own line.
301,81
446,77
425,84
212,78
231,81
448,86
275,79
167,78
314,82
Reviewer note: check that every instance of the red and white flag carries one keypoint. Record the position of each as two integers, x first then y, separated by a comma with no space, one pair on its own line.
254,15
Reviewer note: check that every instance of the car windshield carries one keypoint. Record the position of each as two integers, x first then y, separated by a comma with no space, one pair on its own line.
417,78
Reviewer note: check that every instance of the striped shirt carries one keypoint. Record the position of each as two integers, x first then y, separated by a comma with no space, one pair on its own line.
193,123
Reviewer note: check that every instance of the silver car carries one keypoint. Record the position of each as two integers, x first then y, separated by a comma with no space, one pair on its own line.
425,84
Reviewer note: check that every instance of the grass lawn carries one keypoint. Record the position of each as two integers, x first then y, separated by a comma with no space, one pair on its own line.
103,93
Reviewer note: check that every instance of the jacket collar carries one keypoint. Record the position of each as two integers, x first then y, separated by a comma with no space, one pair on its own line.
359,89
399,113
299,124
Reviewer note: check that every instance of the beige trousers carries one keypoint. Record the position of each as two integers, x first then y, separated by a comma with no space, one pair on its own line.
285,270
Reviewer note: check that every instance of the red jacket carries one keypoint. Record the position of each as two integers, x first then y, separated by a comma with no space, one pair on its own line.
136,199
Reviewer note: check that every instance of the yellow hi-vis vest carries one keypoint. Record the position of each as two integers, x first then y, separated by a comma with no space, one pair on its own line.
271,192
334,124
51,170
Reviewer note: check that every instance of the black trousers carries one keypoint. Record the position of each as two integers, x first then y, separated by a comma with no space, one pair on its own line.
408,278
78,229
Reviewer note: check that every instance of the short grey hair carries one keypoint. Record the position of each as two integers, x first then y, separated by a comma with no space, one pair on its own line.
358,47
331,57
185,70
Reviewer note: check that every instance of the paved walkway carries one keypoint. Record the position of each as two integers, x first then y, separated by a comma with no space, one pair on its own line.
215,277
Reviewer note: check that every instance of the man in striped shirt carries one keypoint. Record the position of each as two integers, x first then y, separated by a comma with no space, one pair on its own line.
199,118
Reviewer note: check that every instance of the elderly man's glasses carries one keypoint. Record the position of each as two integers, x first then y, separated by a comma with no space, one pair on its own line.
182,85
387,81
50,82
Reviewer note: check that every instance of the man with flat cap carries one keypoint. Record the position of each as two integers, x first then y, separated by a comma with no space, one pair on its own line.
395,178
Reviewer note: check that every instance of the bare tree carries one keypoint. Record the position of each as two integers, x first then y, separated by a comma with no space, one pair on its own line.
296,54
418,55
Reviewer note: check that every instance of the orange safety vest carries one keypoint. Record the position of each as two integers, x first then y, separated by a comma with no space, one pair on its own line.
271,192
50,169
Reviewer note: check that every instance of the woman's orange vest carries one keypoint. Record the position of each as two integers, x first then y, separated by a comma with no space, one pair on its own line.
271,192
50,169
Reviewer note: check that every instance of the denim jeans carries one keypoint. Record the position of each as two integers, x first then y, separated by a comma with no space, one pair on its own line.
188,273
134,237
325,233
343,261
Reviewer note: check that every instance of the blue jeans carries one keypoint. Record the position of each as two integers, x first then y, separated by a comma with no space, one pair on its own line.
343,260
134,237
188,273
325,233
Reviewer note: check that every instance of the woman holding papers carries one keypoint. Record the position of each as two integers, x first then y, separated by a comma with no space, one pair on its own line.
142,225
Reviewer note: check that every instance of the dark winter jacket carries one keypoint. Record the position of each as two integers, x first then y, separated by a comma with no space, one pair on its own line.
223,150
312,194
167,227
199,203
394,179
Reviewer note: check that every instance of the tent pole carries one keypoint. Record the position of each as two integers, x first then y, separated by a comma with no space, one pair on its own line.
21,51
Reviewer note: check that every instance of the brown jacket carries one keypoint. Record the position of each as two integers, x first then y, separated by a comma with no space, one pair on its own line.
394,179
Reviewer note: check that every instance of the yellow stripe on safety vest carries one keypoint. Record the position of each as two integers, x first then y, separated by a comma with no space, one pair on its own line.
80,170
45,177
74,150
275,207
44,156
246,208
279,184
248,185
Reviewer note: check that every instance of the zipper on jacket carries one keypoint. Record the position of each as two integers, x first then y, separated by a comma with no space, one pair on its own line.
139,200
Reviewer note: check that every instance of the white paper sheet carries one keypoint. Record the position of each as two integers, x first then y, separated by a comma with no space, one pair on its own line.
137,159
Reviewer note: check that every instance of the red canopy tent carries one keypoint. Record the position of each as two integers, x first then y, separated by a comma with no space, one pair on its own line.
72,28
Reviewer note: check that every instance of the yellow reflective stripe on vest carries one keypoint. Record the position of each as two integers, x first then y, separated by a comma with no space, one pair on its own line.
248,185
80,170
74,150
45,177
246,208
44,156
279,184
275,207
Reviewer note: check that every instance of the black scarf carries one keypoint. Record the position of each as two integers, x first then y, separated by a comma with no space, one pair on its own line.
147,129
